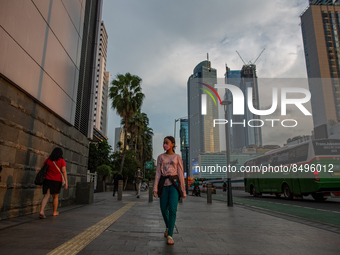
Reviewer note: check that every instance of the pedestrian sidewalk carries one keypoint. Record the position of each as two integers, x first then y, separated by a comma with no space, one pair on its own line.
135,226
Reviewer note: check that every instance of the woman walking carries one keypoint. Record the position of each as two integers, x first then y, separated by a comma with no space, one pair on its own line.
169,185
55,175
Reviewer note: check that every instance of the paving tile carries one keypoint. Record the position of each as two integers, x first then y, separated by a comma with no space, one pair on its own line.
213,229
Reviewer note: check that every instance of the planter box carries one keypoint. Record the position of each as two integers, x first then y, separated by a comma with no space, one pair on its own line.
84,192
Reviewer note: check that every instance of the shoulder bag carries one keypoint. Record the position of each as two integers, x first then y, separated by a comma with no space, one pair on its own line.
40,177
63,182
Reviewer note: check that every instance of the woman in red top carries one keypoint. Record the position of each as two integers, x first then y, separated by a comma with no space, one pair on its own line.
55,174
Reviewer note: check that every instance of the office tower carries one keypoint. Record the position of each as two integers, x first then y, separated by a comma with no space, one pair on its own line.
203,137
102,81
87,70
253,135
41,61
119,138
324,2
320,33
236,132
184,141
240,133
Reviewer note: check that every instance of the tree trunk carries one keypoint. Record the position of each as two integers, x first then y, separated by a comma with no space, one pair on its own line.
124,150
126,181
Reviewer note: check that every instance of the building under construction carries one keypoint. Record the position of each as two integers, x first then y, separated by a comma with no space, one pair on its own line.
242,135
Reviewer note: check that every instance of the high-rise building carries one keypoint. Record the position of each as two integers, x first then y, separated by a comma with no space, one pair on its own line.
236,133
119,139
240,133
184,141
87,71
102,78
47,51
253,135
203,137
320,25
324,2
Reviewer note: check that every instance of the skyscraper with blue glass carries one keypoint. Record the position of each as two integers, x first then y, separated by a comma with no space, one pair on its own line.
240,133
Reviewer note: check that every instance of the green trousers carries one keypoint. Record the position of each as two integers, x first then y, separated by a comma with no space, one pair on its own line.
168,202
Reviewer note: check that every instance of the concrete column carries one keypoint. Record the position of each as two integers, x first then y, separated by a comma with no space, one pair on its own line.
150,191
120,189
209,194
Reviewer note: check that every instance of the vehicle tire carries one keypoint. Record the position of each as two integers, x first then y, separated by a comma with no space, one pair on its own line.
318,197
286,192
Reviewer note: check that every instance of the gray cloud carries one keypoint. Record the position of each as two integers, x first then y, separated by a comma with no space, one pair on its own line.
162,41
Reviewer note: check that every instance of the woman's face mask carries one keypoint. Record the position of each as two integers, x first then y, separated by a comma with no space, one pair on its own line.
166,147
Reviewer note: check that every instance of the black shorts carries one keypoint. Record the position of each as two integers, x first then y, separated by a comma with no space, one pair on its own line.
54,186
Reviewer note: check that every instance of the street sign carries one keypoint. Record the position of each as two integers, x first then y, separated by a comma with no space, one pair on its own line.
149,165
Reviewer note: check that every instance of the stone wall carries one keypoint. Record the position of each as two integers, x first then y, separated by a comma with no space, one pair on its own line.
28,134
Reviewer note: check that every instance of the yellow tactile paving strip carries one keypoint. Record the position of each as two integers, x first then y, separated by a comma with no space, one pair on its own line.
78,243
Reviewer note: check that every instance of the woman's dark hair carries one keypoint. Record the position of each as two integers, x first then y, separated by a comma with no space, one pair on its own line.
172,139
56,154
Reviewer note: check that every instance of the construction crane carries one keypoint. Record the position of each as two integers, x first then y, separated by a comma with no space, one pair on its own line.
241,58
259,56
250,63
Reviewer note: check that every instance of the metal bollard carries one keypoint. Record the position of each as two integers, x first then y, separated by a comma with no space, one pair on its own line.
209,194
150,191
120,190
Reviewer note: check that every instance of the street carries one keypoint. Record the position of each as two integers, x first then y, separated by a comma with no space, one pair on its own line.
331,204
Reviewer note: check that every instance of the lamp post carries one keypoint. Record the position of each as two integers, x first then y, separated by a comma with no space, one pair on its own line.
193,115
175,126
225,103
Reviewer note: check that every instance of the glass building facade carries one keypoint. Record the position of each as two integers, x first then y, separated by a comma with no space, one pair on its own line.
320,25
184,140
203,137
243,135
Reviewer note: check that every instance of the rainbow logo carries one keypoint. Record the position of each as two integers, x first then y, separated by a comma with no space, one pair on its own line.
204,97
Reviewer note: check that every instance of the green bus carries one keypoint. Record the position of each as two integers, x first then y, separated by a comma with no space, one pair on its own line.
308,168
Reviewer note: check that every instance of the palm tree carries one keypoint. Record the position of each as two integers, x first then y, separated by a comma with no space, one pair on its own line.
127,98
141,136
135,128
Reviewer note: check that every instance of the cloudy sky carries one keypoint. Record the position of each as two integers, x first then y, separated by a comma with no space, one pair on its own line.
162,41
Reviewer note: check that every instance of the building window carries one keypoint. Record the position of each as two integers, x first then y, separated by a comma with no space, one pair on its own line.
337,45
329,44
326,26
325,21
324,15
333,21
328,38
334,27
